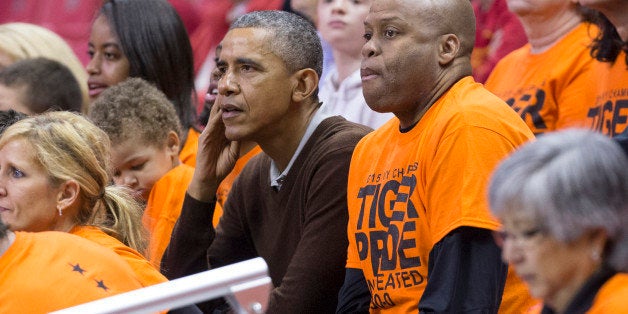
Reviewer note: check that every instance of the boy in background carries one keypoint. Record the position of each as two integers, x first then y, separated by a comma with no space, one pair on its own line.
34,86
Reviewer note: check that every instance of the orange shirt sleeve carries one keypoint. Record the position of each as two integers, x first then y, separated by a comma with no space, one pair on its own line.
163,209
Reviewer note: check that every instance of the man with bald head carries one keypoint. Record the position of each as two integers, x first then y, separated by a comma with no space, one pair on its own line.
420,232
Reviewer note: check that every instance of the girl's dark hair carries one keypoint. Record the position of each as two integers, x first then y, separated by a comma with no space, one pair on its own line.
156,43
607,45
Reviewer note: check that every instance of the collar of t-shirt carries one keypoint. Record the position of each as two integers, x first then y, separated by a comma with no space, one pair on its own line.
276,178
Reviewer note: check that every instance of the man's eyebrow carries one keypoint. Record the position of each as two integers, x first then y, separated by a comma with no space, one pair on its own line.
384,20
247,61
240,61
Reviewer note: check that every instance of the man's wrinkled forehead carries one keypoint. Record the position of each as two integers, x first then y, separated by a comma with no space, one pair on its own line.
391,10
252,41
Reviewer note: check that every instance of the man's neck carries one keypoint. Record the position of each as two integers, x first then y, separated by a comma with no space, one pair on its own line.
246,147
281,145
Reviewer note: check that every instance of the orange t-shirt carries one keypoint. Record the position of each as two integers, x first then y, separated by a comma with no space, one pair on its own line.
163,209
227,182
610,113
48,271
611,298
187,155
406,191
145,272
551,90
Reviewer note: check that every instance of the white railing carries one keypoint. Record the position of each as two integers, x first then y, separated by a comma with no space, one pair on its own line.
246,286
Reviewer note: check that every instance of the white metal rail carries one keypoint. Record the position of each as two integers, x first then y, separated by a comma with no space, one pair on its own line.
246,286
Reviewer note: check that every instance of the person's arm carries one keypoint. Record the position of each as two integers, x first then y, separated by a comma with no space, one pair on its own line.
354,296
465,274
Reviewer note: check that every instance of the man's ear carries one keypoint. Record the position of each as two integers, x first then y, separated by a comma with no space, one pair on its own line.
306,82
448,47
68,195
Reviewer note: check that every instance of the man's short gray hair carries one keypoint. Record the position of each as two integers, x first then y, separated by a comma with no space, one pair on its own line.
294,38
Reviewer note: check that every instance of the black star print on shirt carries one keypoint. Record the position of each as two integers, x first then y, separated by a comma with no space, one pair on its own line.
77,268
101,284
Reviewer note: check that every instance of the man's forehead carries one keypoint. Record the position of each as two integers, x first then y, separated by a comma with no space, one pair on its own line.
246,40
395,8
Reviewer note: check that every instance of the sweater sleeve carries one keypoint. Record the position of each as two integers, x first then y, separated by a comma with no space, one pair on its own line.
465,274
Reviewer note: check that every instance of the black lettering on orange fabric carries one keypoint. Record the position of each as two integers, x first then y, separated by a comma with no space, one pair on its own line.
534,109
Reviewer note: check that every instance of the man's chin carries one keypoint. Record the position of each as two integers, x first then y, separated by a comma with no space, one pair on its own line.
234,134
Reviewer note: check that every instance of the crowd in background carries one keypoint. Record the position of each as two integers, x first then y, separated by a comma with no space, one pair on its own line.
382,156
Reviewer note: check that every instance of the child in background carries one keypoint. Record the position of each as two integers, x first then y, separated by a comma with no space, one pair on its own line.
19,41
341,24
37,85
145,132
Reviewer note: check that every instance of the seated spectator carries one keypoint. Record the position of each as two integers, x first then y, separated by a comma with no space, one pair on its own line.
56,178
419,228
146,39
19,41
145,130
548,81
341,24
562,201
288,204
37,85
497,33
48,271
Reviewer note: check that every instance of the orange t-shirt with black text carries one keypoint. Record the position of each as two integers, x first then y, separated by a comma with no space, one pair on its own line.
406,191
145,272
48,271
609,115
550,90
163,209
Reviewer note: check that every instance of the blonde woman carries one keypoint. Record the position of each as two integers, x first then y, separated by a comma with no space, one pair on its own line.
55,176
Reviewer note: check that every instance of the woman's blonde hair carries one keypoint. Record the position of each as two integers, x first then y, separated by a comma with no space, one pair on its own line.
21,41
70,147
